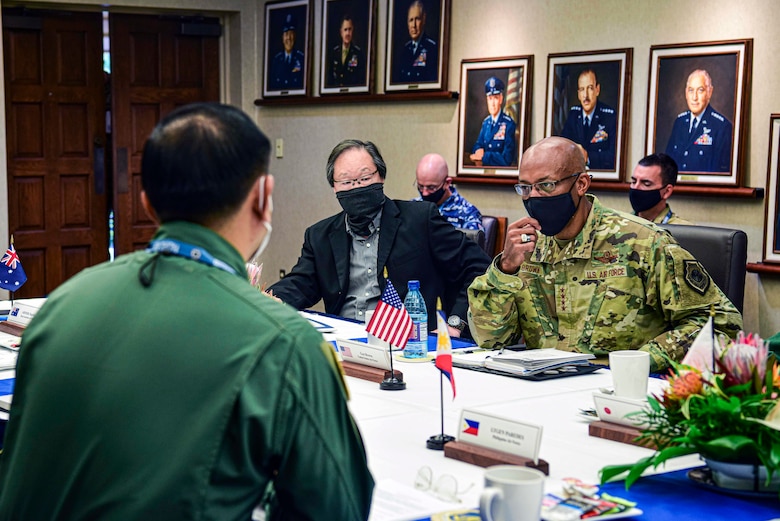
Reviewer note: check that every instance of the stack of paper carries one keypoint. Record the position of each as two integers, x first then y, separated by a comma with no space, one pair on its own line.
535,361
7,359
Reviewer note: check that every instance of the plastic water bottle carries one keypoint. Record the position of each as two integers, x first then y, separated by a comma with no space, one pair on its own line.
417,346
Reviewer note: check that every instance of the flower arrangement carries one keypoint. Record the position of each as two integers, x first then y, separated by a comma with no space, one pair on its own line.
722,403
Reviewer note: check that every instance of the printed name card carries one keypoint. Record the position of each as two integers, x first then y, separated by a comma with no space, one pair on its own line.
21,314
497,433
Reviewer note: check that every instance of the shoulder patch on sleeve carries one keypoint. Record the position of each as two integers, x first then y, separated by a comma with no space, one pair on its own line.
696,276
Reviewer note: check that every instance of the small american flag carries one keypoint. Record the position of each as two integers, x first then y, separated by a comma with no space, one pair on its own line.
390,321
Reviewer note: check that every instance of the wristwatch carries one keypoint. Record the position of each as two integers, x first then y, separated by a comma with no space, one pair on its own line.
456,322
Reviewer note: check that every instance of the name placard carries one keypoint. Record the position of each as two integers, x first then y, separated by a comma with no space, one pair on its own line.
502,434
21,314
363,353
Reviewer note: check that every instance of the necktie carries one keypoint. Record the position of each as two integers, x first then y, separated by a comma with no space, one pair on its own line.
343,55
587,125
694,124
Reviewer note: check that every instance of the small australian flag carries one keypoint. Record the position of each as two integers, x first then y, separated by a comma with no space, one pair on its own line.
12,275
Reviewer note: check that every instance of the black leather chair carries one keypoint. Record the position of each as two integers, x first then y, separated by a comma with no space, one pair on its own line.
491,232
722,251
477,236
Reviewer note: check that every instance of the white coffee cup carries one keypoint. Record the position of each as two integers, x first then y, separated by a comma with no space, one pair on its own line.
630,370
512,493
371,339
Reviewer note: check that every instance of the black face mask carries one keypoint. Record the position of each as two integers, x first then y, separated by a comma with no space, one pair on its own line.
553,213
642,200
361,205
434,197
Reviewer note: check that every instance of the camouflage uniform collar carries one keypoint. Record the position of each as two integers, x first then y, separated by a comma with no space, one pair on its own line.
580,247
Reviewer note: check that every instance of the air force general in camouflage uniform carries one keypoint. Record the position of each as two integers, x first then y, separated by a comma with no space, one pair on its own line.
607,281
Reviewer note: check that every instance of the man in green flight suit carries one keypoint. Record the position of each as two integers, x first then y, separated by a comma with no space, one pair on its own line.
578,276
163,386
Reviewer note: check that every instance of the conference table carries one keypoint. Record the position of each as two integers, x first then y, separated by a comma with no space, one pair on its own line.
396,424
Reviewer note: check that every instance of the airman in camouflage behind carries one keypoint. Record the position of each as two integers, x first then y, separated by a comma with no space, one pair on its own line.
578,276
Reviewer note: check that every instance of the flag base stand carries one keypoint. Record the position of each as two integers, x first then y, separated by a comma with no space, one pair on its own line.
394,381
438,441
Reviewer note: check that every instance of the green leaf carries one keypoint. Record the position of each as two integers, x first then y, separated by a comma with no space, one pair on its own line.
729,445
612,471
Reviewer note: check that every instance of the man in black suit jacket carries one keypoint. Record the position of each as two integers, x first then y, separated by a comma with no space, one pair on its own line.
344,256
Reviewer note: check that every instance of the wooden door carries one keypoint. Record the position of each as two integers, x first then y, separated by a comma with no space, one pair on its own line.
155,68
55,124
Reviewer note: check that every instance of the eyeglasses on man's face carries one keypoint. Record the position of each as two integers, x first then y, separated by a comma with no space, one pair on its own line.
544,187
428,188
363,180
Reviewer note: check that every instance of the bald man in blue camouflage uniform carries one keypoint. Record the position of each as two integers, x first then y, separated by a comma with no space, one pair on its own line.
578,276
433,182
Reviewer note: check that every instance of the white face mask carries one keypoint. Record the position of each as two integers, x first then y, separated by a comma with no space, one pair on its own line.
268,228
266,239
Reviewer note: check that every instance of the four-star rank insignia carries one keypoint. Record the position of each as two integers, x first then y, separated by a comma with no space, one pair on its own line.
696,277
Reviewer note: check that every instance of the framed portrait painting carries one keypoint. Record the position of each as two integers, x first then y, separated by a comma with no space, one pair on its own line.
346,63
494,117
417,45
588,96
697,105
287,48
772,210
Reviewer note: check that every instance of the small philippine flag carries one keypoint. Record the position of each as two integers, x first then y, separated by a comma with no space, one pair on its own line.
472,427
444,350
12,274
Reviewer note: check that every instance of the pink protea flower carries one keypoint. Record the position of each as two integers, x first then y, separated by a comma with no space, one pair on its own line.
743,359
684,384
